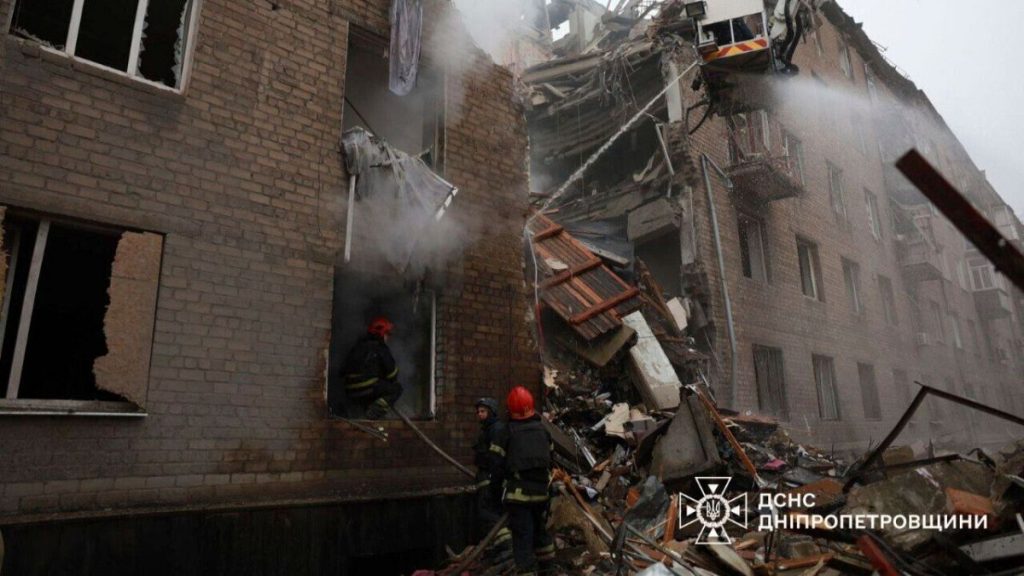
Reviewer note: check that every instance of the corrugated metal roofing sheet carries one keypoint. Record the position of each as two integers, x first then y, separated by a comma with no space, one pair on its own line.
575,283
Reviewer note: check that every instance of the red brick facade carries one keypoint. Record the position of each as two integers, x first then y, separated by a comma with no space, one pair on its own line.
241,173
779,315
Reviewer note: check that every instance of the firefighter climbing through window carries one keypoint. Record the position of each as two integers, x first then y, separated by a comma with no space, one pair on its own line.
523,464
371,374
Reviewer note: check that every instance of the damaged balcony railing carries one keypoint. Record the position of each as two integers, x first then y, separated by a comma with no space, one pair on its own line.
919,259
758,172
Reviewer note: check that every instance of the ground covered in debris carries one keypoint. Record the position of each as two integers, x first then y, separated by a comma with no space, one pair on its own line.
653,478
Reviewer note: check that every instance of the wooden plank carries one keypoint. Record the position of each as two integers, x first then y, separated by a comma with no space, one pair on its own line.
549,232
603,306
570,273
28,303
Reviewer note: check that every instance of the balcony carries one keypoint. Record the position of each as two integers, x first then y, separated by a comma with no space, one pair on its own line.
761,176
920,261
992,303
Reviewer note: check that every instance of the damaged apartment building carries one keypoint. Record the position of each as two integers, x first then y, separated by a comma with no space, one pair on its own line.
204,202
754,182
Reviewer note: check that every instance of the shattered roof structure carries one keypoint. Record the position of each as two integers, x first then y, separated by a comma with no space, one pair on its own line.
576,284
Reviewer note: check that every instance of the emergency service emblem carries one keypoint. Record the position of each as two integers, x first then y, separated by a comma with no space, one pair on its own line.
713,510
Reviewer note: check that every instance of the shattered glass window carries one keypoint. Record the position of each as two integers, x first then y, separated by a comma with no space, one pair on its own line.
144,39
45,21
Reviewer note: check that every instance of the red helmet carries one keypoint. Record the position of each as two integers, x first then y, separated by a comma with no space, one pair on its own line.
380,326
519,403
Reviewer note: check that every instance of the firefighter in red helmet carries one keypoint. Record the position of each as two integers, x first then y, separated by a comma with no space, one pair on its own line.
523,464
371,374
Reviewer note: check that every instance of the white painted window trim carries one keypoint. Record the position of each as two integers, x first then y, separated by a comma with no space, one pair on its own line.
71,44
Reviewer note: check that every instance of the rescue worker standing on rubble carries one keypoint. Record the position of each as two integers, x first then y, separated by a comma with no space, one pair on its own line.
523,464
488,492
371,374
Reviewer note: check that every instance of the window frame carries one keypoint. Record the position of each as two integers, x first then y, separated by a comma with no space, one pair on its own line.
851,279
773,354
819,361
836,196
71,41
870,397
845,59
790,142
888,297
743,221
813,271
10,402
874,214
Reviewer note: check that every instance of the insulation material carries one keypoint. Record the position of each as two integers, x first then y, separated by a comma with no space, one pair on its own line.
406,28
679,314
397,193
652,372
128,323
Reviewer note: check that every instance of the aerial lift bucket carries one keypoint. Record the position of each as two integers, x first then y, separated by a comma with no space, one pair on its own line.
732,35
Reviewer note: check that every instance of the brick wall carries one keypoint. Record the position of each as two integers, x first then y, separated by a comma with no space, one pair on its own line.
778,314
242,175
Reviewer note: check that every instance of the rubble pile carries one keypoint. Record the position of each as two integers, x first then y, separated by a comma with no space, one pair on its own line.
640,443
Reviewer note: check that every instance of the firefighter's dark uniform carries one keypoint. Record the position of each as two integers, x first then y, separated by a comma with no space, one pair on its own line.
371,375
523,451
488,492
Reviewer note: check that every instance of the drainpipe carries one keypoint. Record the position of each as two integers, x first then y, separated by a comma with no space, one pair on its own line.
704,161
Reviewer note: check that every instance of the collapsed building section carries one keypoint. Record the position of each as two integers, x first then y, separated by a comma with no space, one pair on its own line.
722,148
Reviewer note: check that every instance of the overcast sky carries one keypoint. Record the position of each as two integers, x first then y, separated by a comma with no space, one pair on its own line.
967,56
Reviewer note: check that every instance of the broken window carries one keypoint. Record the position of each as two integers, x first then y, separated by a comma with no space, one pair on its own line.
77,316
752,248
844,59
835,190
794,150
411,122
810,269
771,382
359,298
825,381
749,135
851,277
874,220
144,39
869,392
888,301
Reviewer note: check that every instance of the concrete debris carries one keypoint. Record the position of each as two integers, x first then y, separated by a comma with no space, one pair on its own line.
646,458
650,367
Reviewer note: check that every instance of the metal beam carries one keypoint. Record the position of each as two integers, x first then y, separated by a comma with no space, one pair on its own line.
971,223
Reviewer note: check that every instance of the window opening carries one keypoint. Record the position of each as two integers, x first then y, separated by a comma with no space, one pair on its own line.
869,392
825,381
145,39
771,382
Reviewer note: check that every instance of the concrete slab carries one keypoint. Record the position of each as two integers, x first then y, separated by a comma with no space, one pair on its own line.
650,368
